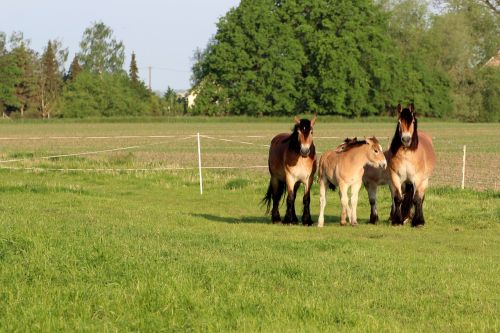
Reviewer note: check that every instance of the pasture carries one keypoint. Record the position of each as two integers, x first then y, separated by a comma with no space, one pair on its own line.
114,240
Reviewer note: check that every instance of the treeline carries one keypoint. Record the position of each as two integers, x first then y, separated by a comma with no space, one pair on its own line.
352,58
275,57
34,85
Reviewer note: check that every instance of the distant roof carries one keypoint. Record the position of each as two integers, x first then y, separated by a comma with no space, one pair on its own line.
494,61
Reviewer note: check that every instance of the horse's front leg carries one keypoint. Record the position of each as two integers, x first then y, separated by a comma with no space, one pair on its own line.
344,200
295,219
290,216
397,199
306,215
354,203
418,200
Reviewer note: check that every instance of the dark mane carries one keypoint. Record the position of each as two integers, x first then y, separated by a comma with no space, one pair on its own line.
349,144
406,116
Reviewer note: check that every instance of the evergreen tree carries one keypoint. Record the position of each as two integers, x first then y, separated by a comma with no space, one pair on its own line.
50,81
74,69
26,60
10,76
133,70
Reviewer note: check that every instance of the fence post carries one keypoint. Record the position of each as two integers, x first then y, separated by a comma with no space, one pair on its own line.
199,164
463,171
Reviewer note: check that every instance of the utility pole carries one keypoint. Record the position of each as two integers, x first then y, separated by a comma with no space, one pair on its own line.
149,77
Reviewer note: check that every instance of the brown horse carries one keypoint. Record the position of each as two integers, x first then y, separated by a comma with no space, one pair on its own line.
412,160
292,160
345,167
372,178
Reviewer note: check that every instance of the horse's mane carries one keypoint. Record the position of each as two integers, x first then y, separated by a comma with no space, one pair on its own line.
350,143
407,116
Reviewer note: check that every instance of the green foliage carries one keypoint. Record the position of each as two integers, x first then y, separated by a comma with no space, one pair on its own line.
172,104
274,58
10,76
100,51
50,81
107,95
74,69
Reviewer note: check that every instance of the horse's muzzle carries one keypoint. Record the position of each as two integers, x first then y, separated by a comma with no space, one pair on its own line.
406,140
304,151
383,164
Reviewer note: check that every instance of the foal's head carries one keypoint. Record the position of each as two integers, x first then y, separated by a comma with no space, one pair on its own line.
304,130
407,126
376,157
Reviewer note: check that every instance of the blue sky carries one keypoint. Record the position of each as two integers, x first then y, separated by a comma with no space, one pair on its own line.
163,34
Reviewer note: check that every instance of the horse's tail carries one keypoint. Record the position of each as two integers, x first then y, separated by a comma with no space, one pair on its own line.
407,203
268,198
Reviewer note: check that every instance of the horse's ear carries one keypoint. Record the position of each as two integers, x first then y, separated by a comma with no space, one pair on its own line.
368,140
296,120
313,121
399,108
411,107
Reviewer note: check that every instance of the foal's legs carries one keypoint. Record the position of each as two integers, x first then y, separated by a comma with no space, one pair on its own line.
371,188
322,200
354,202
344,200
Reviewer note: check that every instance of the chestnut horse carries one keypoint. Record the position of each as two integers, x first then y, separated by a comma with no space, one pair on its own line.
412,160
345,167
292,160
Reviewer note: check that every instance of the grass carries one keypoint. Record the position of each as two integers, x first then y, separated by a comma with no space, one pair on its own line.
144,251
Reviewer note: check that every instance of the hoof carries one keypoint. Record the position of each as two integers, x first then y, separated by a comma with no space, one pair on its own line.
418,226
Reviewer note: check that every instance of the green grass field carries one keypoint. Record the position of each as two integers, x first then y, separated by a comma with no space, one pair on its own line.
129,250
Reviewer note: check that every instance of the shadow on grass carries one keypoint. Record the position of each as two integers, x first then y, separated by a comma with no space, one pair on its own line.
264,219
229,219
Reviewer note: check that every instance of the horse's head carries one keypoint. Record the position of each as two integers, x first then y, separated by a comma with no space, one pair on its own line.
407,124
376,157
304,130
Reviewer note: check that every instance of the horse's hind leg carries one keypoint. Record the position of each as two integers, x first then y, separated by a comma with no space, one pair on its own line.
277,187
372,197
